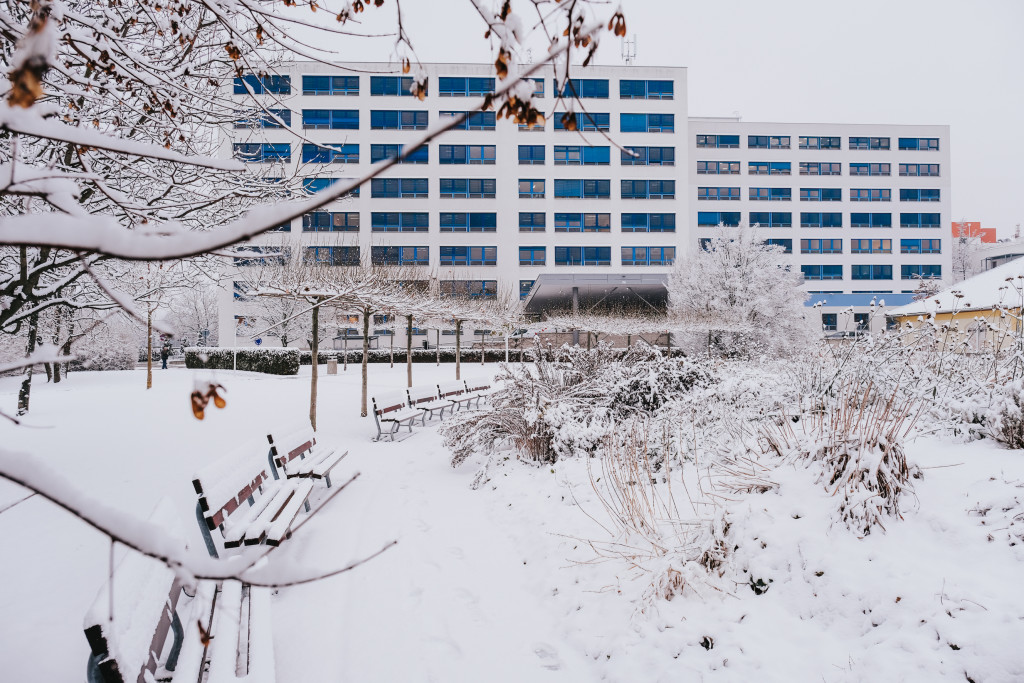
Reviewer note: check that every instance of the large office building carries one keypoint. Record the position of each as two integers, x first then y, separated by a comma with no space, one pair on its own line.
603,210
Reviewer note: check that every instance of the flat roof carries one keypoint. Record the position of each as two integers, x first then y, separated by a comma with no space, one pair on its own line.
553,291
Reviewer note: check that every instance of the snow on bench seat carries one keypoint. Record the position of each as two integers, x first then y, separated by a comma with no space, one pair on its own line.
296,455
426,399
455,393
394,409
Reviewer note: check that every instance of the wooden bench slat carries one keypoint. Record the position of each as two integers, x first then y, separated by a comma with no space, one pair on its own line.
282,521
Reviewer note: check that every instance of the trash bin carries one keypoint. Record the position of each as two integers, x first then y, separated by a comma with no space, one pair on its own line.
425,344
332,367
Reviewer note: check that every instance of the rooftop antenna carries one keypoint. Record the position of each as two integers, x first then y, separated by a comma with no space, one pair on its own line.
629,50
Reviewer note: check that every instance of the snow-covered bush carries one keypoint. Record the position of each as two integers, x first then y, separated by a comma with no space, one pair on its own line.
99,357
269,361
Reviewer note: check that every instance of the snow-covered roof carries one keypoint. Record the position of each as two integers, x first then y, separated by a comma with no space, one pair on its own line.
997,287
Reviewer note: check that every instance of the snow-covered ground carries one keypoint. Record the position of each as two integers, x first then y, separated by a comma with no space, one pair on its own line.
499,583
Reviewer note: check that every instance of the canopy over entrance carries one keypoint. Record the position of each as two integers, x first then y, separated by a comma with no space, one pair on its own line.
554,292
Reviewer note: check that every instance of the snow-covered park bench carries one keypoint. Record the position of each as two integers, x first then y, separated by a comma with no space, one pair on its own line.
455,393
393,410
128,631
239,497
295,454
478,389
427,400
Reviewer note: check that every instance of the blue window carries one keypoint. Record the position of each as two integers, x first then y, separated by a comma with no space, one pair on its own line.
531,155
538,86
870,220
583,222
869,143
708,219
785,243
820,168
524,288
532,256
769,168
768,141
581,155
313,185
919,170
821,246
584,87
585,121
333,256
648,222
469,222
382,152
650,156
400,256
531,222
262,152
279,85
330,221
284,227
330,154
921,246
821,220
647,123
477,120
241,291
920,220
469,256
870,195
394,188
919,143
648,256
919,195
771,219
871,246
330,85
476,289
871,169
583,256
821,194
448,86
531,188
719,193
771,194
645,90
819,142
334,119
399,221
466,154
648,189
872,271
582,188
392,85
272,256
718,168
822,272
830,322
268,118
469,188
386,119
718,141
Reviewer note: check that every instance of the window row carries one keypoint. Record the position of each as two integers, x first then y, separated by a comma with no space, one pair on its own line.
784,219
873,271
419,221
817,194
860,246
814,168
583,155
815,142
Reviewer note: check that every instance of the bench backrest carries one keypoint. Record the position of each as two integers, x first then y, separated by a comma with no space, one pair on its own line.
447,389
422,394
297,443
225,484
478,384
386,403
145,598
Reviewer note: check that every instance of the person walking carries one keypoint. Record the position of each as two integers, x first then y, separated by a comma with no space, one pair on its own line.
165,351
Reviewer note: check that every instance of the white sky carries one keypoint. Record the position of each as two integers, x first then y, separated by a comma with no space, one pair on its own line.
955,62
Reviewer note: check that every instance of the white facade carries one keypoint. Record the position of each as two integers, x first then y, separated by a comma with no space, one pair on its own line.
679,184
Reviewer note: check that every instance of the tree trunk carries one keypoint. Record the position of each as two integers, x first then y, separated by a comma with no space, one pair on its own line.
149,347
392,352
59,319
408,350
26,384
315,348
366,356
66,349
438,347
483,356
458,349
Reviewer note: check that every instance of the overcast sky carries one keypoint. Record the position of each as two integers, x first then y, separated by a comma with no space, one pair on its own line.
955,62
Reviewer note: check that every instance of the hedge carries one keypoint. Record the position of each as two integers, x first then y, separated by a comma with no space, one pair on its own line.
355,357
274,361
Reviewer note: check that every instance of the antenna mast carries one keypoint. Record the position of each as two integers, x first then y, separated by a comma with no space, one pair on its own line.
629,50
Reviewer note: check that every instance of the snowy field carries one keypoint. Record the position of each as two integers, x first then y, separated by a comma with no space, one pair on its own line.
500,583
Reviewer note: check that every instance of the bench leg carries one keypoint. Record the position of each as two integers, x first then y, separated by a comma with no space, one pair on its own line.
210,546
179,637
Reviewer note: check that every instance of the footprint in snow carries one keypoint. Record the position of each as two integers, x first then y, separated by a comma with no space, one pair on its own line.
548,656
456,552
